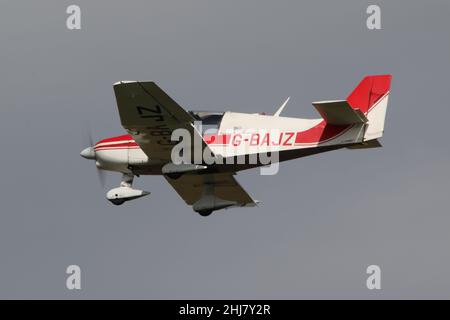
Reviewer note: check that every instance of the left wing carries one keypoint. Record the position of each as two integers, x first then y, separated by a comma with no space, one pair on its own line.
151,116
211,191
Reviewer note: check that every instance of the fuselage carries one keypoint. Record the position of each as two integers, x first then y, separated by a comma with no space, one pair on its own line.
235,135
254,134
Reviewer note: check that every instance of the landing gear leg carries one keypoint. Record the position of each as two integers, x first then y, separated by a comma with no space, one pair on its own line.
127,180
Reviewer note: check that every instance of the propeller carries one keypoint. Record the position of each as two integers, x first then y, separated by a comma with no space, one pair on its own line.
89,153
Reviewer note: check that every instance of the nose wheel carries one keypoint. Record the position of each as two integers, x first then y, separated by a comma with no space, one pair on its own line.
117,202
125,192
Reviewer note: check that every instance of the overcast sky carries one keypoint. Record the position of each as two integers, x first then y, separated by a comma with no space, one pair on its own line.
322,219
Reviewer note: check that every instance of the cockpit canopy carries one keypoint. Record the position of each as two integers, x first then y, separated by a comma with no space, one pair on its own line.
210,120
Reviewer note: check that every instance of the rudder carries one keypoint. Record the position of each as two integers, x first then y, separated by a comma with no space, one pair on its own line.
371,98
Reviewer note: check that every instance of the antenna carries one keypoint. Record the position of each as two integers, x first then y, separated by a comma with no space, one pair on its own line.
280,109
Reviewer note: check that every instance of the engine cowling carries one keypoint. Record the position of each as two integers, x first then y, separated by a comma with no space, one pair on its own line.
121,194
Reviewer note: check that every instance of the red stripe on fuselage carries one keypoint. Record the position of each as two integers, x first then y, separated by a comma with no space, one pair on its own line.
320,133
317,134
217,138
125,137
117,145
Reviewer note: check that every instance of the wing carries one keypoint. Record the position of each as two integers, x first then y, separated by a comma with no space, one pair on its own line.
151,116
211,191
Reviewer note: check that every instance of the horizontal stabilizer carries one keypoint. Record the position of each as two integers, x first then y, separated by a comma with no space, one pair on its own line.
339,112
366,145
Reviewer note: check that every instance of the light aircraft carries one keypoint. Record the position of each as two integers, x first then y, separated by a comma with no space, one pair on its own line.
150,117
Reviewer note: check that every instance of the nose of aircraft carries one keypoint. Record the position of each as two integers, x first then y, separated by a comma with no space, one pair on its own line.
88,153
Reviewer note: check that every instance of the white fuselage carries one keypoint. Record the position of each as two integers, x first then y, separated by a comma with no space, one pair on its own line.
246,134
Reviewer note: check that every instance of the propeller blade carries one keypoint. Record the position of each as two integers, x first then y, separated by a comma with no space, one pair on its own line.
87,136
101,177
89,141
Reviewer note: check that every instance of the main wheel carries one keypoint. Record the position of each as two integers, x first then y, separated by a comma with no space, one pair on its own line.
204,213
117,202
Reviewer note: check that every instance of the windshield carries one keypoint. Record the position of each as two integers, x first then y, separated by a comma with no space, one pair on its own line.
210,121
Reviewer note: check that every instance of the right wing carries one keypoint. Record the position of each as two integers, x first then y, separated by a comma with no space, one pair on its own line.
151,116
211,191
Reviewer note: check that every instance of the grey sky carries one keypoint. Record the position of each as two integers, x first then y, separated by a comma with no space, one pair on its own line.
322,219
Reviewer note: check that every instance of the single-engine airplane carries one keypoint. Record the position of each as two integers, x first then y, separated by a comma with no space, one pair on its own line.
151,117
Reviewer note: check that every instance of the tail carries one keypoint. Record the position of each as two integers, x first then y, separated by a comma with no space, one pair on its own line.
365,107
371,98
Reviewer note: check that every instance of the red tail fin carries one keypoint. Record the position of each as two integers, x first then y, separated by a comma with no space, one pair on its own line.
369,91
